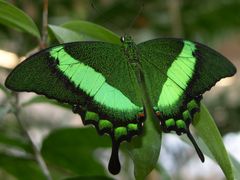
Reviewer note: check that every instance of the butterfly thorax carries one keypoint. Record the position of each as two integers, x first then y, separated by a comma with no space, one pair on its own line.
130,49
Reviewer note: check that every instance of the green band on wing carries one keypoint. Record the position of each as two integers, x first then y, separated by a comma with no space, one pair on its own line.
94,84
179,74
132,127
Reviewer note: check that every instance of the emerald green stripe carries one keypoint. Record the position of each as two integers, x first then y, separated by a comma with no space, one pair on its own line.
92,83
179,74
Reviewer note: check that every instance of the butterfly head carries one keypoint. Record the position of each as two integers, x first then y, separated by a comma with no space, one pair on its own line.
126,39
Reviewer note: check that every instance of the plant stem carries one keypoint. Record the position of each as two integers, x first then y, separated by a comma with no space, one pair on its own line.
37,154
174,10
43,43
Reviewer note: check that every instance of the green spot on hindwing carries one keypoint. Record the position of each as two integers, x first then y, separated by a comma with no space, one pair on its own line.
186,116
192,106
105,125
181,124
120,132
170,122
91,116
132,127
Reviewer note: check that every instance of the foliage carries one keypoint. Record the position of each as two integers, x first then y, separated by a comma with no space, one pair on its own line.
15,18
68,153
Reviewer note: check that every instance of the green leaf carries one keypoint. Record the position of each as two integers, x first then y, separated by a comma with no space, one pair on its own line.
207,130
236,167
206,151
14,17
220,18
145,150
73,148
89,178
15,142
93,30
22,169
64,35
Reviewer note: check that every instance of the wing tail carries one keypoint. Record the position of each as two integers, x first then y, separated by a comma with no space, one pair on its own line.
198,150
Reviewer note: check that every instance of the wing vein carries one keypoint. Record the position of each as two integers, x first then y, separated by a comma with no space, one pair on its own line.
160,70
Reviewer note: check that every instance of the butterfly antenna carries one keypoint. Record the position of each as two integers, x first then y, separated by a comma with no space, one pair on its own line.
198,150
99,12
136,17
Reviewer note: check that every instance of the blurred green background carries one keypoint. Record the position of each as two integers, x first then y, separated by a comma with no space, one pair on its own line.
215,23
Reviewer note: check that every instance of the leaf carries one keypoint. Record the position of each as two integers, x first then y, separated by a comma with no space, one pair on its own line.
93,30
218,19
43,99
14,17
22,169
73,148
15,142
207,130
89,178
65,35
206,151
236,166
145,150
5,90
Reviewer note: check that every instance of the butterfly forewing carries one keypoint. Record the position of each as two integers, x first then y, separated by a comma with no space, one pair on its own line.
78,72
35,75
211,67
157,58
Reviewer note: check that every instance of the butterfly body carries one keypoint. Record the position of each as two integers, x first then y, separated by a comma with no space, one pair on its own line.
115,87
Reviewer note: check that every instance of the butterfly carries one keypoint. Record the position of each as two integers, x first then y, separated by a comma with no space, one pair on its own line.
113,86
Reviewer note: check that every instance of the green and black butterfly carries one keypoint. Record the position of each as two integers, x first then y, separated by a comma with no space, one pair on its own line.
111,86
